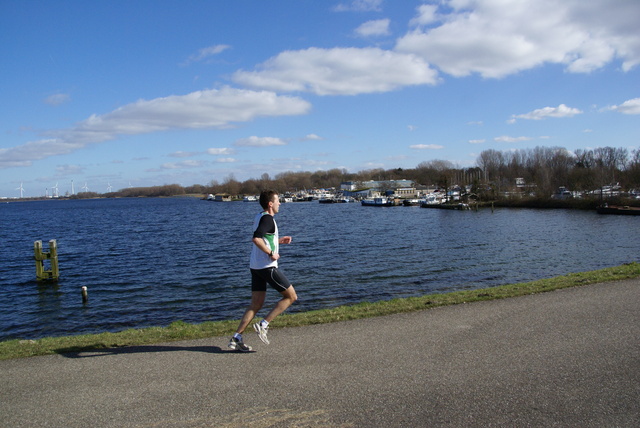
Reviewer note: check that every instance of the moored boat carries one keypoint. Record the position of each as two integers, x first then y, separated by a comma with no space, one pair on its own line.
378,202
459,206
327,201
413,202
618,209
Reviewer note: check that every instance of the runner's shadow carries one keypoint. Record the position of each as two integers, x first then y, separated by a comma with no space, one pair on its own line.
142,349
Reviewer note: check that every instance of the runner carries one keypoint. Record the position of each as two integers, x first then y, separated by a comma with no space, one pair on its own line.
264,270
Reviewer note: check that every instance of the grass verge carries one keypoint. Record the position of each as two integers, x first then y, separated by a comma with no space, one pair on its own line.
183,331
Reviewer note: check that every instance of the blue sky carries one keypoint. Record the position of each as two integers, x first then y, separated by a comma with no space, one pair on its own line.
141,93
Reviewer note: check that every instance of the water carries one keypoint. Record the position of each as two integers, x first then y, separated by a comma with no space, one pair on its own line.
149,262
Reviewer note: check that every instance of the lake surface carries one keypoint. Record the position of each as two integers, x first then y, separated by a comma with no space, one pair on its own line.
150,262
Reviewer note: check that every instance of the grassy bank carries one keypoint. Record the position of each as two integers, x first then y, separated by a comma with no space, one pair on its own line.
183,331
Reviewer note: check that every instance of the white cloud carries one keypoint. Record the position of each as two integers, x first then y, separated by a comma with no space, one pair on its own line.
225,160
184,164
197,110
545,112
208,109
427,14
205,53
181,154
57,99
379,27
477,141
23,155
339,71
628,107
507,139
495,38
312,137
360,6
254,141
64,170
372,165
426,147
220,151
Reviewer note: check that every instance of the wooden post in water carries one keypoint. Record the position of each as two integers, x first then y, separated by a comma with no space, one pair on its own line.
53,257
40,256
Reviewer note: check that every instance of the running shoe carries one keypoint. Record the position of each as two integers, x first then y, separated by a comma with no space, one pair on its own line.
238,345
262,332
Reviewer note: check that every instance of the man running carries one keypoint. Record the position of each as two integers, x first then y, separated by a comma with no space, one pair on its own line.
264,270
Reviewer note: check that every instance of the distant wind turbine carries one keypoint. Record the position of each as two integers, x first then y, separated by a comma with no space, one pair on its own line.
21,189
109,187
85,188
73,192
55,190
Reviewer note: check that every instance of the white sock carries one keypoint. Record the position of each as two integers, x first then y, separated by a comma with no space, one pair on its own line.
238,336
264,323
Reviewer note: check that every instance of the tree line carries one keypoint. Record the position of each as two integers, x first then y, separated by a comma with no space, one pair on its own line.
548,168
542,170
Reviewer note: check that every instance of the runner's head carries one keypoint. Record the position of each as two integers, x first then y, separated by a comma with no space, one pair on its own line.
267,196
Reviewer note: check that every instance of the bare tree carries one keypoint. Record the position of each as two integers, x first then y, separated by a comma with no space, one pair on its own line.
491,161
610,160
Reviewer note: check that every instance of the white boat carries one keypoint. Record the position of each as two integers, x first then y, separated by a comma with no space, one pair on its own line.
378,202
413,202
250,199
323,195
432,199
345,199
338,199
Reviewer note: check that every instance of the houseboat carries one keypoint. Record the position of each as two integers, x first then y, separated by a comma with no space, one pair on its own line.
449,206
378,202
618,209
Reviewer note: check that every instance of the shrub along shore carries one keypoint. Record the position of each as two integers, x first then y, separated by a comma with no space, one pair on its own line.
183,331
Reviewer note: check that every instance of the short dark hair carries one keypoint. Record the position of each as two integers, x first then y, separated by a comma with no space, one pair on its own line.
266,196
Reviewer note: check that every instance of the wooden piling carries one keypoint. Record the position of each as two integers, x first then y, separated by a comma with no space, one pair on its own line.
53,256
40,256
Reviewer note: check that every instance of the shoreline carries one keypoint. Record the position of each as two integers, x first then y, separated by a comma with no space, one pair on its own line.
584,204
179,330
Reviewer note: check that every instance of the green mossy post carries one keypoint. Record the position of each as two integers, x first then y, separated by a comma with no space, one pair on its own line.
40,256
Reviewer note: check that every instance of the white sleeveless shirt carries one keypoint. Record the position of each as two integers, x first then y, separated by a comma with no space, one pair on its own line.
260,259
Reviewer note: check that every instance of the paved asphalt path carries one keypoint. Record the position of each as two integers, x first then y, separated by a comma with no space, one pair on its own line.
565,358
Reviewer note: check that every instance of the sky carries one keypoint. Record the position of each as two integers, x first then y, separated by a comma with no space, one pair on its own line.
104,95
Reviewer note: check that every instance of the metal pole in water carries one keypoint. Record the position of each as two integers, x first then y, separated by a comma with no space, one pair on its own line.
85,294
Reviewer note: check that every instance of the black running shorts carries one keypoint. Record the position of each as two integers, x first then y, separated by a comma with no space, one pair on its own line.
272,276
